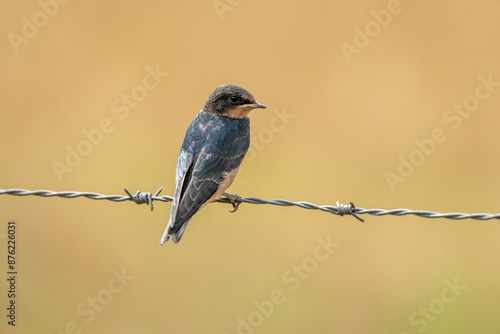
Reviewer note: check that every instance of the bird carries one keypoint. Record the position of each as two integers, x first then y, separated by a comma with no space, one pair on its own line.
214,146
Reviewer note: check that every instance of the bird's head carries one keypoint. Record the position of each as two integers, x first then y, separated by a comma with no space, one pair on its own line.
231,101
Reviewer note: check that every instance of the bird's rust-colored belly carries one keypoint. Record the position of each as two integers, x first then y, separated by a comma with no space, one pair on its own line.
228,180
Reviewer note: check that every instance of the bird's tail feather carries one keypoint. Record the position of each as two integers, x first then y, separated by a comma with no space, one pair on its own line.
174,235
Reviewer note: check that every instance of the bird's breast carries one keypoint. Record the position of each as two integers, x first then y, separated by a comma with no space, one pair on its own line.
226,183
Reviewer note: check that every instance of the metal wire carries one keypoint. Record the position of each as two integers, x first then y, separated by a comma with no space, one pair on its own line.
341,209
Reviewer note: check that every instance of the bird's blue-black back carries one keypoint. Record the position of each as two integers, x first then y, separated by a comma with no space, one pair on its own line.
218,145
218,134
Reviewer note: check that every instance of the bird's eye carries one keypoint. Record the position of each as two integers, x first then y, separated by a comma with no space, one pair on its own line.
234,99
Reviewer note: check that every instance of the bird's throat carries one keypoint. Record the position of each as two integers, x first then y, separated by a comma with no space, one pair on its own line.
238,112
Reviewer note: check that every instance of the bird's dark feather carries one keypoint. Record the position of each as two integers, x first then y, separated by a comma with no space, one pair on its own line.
218,145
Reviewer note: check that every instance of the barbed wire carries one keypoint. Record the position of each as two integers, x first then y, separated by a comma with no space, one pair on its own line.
341,209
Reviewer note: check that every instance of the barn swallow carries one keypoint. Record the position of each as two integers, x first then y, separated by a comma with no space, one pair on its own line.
214,147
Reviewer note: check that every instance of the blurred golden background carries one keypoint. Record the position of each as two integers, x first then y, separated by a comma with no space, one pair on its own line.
387,104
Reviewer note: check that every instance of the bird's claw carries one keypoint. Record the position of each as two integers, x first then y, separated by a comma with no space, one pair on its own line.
235,200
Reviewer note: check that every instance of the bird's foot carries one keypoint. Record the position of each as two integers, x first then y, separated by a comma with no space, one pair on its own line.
235,201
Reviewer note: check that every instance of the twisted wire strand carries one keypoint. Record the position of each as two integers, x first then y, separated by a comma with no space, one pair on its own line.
341,209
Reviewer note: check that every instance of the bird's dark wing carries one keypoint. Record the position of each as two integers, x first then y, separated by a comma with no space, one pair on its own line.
182,176
204,177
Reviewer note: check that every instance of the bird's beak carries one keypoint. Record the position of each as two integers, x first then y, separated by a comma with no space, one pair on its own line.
258,105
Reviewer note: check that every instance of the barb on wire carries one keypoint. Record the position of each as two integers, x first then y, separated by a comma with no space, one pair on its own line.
141,197
340,209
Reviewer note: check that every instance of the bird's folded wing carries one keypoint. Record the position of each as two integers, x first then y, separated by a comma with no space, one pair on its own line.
206,177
